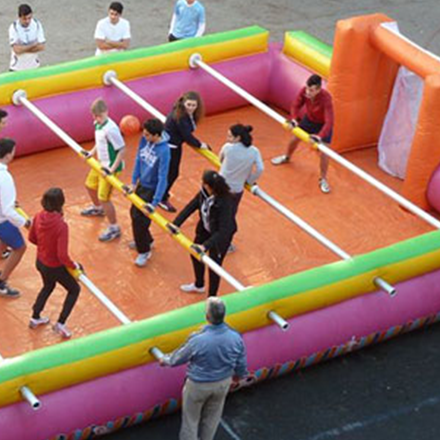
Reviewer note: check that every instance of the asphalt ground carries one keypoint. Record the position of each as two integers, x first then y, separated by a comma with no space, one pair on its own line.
390,391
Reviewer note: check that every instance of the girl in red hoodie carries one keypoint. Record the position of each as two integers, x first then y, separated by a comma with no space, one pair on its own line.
50,233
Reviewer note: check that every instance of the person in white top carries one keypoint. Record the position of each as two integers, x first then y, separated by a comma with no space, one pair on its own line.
10,219
112,34
26,37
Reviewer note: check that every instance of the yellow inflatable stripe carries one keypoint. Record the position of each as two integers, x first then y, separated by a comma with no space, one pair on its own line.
138,354
93,77
307,56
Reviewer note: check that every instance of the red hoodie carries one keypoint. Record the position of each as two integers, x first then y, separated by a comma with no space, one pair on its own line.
50,233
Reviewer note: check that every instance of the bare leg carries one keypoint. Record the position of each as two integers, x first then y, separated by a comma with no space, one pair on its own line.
110,212
12,262
94,196
323,165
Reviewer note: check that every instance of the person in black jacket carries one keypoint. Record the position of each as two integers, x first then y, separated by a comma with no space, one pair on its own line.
214,230
180,124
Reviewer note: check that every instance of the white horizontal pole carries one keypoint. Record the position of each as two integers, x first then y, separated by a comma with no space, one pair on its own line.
196,61
157,353
30,397
300,222
111,78
111,307
278,320
20,98
222,273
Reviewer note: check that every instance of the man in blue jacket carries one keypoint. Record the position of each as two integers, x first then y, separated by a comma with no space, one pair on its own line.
150,182
215,355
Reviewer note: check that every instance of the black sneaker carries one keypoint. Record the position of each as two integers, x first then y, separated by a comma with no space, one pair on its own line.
167,206
7,291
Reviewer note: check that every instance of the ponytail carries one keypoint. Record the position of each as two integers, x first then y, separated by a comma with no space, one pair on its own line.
243,132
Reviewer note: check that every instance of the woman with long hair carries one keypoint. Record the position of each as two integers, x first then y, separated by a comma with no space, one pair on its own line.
215,228
180,124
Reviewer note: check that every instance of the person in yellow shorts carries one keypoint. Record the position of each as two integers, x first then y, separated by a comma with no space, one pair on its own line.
110,149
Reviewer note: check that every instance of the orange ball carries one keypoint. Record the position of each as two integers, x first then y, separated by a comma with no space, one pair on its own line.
130,125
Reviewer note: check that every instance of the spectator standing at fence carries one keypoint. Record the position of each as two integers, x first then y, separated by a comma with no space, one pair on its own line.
112,34
188,20
27,40
216,355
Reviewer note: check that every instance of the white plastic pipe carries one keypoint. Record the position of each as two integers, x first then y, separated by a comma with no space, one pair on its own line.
31,398
111,78
157,353
278,320
111,307
196,61
222,273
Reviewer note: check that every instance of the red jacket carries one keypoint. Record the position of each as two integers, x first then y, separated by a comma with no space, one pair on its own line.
50,233
319,110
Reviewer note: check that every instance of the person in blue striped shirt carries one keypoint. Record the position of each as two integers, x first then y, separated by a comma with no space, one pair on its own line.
188,20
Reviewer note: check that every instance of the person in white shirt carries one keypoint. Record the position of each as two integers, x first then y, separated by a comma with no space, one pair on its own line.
188,20
10,219
112,34
26,37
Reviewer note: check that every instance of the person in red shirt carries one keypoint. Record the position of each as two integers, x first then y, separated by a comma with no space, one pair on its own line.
317,121
49,232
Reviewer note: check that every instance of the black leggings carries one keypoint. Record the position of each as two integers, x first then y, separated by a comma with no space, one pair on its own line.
173,172
140,223
217,253
51,276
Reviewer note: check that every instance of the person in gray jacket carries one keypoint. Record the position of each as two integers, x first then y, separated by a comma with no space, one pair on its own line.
215,355
241,163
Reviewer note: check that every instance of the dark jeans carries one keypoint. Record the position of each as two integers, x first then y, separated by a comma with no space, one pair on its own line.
51,276
172,38
217,253
236,199
173,172
140,223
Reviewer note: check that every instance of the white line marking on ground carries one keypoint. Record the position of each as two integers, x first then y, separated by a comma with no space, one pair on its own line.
229,430
375,420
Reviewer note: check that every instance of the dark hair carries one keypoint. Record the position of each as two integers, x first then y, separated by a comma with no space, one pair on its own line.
6,146
154,126
216,182
3,114
24,10
314,80
179,109
116,6
53,200
243,132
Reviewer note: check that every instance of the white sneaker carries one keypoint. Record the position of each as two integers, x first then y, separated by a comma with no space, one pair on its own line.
141,259
324,186
192,288
111,233
36,322
232,248
280,160
62,330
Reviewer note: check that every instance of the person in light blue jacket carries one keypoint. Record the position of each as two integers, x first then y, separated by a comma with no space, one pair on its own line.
188,20
150,182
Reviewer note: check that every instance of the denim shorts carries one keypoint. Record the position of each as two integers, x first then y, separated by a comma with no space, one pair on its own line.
11,235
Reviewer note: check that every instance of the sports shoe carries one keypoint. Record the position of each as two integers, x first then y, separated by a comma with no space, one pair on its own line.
7,291
167,206
6,253
141,259
92,211
280,160
232,248
324,186
62,330
191,288
36,322
111,233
